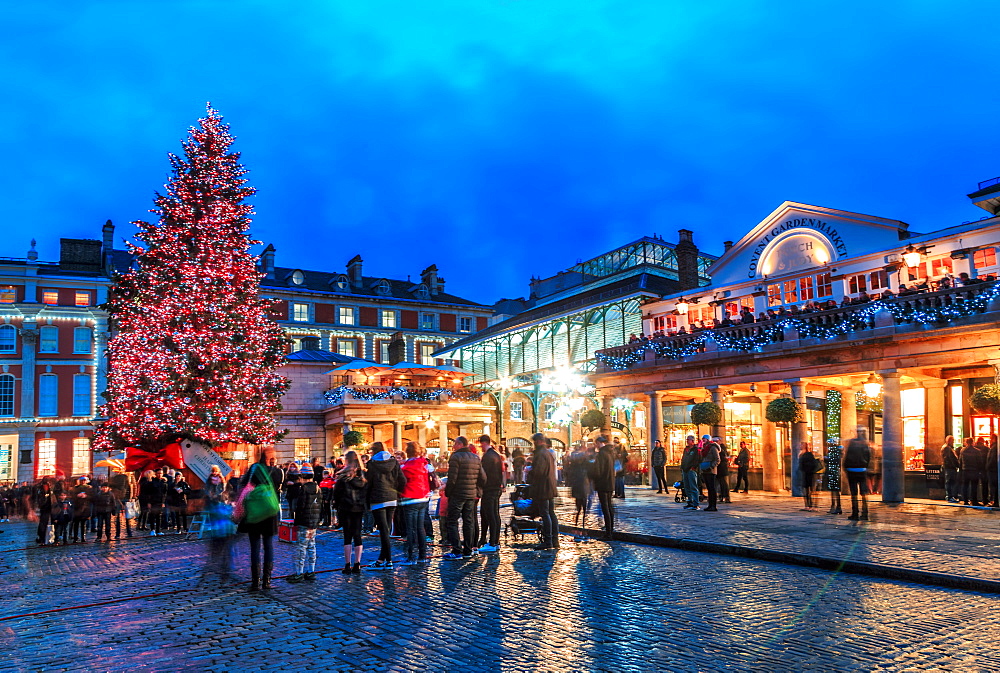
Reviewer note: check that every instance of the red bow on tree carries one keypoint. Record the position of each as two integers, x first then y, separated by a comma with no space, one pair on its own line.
142,460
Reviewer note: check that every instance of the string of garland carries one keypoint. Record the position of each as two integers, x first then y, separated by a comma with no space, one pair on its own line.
931,311
336,395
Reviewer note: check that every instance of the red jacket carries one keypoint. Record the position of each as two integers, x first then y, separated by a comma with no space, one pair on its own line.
417,479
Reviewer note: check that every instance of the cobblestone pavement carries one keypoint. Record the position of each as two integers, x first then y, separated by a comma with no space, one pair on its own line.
935,537
142,605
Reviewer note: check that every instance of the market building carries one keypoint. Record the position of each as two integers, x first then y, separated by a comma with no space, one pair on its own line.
863,322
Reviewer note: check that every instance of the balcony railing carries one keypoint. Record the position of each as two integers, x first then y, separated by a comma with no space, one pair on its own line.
388,394
935,309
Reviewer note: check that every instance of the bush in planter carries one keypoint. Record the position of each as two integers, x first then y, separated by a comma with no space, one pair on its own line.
784,410
593,419
986,400
706,413
353,438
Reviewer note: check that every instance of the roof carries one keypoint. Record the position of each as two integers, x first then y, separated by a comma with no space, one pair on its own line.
324,281
318,356
644,283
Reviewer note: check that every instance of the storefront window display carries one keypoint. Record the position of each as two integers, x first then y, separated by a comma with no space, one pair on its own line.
956,427
912,404
741,426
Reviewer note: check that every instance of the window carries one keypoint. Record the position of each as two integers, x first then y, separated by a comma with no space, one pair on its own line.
8,339
46,457
824,285
345,315
640,418
879,280
341,283
732,309
857,284
8,295
516,411
81,455
307,343
940,267
50,297
550,410
425,353
48,339
464,324
82,299
388,318
298,277
82,338
806,291
6,395
422,292
383,288
81,394
426,321
773,295
303,449
980,259
347,347
48,395
791,291
383,352
300,312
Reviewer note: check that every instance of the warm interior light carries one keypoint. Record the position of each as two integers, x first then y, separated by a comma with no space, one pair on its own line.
872,387
911,257
682,307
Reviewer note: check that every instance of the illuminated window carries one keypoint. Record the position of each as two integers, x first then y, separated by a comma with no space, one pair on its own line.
50,297
298,277
791,292
425,353
640,418
956,426
516,411
879,280
81,455
8,294
8,339
824,285
303,449
980,258
48,395
342,283
465,324
82,299
346,315
300,312
550,410
732,309
82,339
857,284
81,394
6,395
388,318
773,295
46,463
806,291
426,321
940,267
347,347
383,352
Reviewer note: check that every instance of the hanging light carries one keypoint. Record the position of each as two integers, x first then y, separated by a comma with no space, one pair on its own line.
682,306
912,256
872,387
429,423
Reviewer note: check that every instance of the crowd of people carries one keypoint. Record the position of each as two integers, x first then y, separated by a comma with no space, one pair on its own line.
970,470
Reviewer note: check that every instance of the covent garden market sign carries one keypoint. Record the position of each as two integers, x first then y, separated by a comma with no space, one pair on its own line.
797,251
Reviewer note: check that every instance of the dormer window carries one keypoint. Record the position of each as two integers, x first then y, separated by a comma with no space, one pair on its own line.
341,283
298,277
383,288
422,292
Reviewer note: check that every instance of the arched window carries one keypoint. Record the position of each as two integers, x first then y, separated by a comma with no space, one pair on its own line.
6,395
341,283
298,277
8,339
48,395
383,288
422,292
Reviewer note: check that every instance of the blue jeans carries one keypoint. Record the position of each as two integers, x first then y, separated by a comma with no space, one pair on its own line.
550,524
691,486
951,484
416,541
620,485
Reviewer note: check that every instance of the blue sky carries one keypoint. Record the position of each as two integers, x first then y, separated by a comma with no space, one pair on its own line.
499,139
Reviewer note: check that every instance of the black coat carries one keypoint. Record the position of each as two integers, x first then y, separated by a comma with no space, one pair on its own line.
349,494
385,481
307,507
177,494
466,477
542,483
602,471
858,454
493,468
973,460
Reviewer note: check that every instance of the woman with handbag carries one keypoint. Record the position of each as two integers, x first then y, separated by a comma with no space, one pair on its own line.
257,513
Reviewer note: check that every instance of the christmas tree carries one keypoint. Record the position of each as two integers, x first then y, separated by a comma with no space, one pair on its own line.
195,351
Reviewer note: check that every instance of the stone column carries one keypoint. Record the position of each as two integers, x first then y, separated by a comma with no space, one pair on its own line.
606,410
798,433
771,466
848,416
719,398
892,438
25,442
421,434
935,429
443,437
654,431
397,435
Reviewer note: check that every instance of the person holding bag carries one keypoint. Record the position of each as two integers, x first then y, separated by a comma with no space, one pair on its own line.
257,514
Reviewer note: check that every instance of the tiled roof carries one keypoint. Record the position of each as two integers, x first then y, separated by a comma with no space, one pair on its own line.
318,356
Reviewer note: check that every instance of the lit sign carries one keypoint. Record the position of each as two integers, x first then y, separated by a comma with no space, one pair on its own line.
804,222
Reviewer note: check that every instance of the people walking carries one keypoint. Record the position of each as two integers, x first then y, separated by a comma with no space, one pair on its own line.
385,481
62,518
414,499
124,487
991,477
658,459
542,490
950,465
81,509
690,460
807,474
742,468
709,466
493,468
621,468
156,497
579,480
105,505
349,494
306,520
465,480
603,476
856,459
722,473
973,460
831,474
44,499
260,531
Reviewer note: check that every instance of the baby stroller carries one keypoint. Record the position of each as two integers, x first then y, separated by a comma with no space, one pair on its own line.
679,492
525,516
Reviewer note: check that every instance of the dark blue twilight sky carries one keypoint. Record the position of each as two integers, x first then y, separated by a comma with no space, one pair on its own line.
498,138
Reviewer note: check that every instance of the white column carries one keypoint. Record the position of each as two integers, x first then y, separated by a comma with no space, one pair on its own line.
798,433
397,435
892,438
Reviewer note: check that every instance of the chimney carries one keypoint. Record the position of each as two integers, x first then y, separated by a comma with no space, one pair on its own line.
687,260
727,245
109,237
397,349
354,273
429,277
267,261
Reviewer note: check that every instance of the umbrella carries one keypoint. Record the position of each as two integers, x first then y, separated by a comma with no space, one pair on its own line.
452,371
363,367
116,464
411,368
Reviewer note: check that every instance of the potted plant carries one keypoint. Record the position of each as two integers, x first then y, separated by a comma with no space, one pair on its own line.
353,438
986,400
592,419
706,413
784,410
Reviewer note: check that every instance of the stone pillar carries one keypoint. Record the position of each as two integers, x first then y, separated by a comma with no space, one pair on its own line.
654,431
719,398
25,442
421,434
935,429
397,435
892,438
848,416
347,428
606,410
771,466
443,437
799,430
